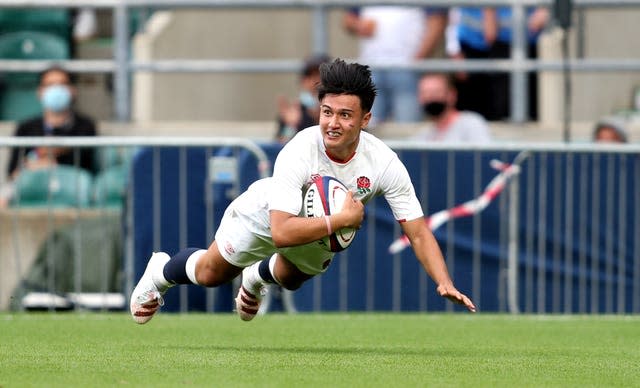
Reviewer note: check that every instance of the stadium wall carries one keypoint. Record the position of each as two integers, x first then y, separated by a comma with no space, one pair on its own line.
286,34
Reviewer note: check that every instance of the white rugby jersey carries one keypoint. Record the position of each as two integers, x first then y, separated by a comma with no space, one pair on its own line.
373,170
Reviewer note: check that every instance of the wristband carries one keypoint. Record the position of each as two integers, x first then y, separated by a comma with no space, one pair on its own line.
328,222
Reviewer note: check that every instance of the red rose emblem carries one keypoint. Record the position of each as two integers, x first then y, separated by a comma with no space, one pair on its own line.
363,182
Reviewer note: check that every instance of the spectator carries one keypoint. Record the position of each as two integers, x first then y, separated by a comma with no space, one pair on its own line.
294,116
438,96
400,35
486,33
610,131
56,93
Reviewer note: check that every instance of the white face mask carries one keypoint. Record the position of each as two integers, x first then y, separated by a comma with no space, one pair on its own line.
307,99
56,98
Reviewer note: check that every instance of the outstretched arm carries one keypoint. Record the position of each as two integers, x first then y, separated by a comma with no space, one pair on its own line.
430,256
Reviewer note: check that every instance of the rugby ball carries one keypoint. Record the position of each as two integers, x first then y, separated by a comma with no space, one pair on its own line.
325,195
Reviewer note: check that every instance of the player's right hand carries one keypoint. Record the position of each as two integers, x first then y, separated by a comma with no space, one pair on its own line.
353,211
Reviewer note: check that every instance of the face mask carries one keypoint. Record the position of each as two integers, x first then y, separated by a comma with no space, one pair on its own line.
307,99
56,98
434,108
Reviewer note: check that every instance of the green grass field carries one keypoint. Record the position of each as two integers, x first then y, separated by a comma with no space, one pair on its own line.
324,350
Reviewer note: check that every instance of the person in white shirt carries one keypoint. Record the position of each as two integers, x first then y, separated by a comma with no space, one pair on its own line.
265,220
437,96
401,35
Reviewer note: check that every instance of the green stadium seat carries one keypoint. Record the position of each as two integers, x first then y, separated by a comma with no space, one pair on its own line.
109,187
58,186
32,45
108,157
18,104
19,98
49,20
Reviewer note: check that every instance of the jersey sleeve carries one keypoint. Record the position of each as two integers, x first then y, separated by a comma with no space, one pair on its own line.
399,192
290,173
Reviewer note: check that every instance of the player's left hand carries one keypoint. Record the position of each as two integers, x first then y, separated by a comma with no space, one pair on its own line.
451,293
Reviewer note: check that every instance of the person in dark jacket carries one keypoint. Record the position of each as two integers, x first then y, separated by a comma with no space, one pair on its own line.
56,93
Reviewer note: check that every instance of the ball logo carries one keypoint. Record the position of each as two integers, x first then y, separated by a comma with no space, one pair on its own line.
309,201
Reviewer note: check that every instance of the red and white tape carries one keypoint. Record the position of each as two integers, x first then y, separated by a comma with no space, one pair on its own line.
474,206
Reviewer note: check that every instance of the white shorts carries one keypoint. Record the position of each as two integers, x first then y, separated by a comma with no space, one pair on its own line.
241,246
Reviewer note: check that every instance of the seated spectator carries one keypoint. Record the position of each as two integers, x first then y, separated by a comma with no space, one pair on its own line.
294,116
610,131
56,93
438,96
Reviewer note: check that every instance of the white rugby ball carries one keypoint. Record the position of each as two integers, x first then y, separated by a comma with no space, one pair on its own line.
325,196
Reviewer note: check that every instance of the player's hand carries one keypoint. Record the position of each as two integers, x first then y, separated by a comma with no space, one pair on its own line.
352,211
450,292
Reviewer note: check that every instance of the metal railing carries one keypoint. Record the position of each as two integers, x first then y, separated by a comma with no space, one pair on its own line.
569,239
122,65
564,237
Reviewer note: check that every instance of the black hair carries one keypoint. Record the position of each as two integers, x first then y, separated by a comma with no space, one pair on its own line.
339,77
58,68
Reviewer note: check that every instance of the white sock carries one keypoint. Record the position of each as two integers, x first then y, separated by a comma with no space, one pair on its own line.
251,279
158,276
190,267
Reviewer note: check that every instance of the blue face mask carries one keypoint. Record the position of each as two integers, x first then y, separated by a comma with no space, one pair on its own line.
307,99
56,98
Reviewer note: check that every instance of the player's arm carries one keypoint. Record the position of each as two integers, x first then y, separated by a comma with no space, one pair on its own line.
289,230
430,256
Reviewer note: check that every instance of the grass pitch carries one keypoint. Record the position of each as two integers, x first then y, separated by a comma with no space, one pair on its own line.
324,350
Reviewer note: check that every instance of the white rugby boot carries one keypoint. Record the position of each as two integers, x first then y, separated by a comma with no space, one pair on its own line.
250,295
146,297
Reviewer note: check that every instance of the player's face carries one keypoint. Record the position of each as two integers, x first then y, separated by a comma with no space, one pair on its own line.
341,120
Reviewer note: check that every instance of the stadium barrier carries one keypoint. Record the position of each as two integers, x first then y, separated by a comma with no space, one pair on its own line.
562,235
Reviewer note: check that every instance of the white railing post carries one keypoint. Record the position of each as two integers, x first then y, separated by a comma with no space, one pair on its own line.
121,74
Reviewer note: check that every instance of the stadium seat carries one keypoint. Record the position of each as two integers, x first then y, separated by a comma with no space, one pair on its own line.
31,45
59,186
109,187
19,104
19,99
108,157
53,21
